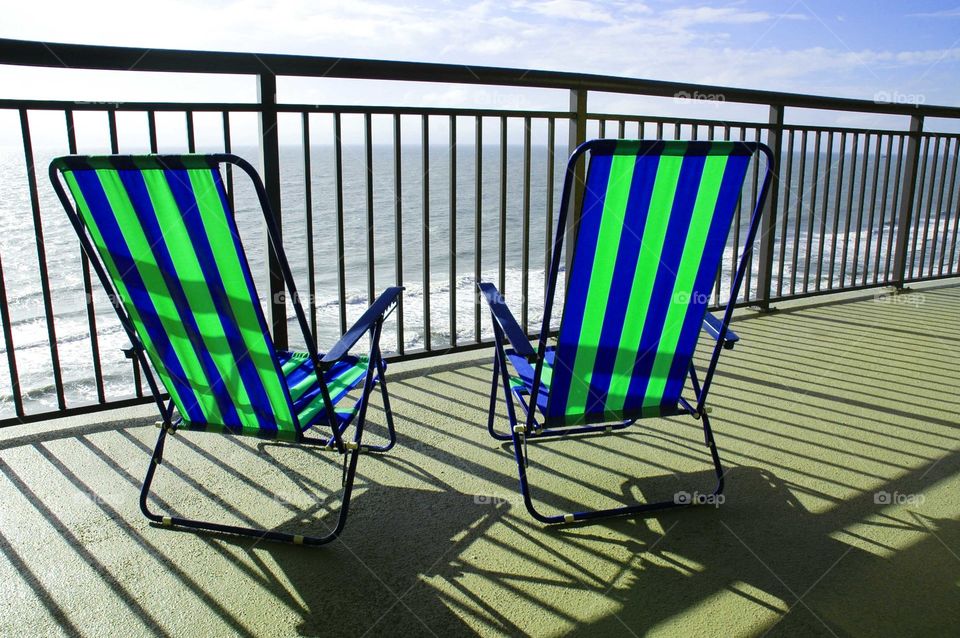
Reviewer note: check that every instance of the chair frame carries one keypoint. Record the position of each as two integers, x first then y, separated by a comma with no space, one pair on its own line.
507,330
370,322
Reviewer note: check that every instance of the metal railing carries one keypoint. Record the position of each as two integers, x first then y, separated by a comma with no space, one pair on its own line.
854,208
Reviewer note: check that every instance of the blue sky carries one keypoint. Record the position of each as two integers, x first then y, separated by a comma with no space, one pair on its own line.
904,50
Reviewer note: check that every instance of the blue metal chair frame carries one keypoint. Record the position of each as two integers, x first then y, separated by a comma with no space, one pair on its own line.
371,322
507,330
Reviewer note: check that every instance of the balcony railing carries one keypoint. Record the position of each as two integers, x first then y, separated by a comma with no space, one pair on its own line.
854,208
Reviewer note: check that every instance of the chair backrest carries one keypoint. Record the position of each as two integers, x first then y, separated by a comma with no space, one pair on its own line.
652,231
169,244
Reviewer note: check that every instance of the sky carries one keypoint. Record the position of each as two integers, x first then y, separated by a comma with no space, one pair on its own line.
900,51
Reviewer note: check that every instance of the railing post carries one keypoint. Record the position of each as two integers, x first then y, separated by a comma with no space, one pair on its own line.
270,171
905,206
578,135
768,221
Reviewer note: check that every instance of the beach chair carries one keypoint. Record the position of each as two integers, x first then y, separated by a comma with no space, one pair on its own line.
650,235
162,238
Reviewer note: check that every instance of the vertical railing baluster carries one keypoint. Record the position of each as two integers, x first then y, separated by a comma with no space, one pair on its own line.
785,220
548,230
873,212
112,127
935,232
368,184
8,345
398,227
849,214
452,274
338,188
838,199
502,254
152,130
477,220
270,171
801,191
883,210
735,254
191,136
768,222
41,257
577,135
953,183
894,199
308,209
861,199
823,213
227,148
88,285
525,232
922,177
425,225
736,238
622,131
747,279
931,178
814,182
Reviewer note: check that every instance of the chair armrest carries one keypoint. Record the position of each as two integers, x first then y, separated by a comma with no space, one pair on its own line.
377,310
712,325
509,325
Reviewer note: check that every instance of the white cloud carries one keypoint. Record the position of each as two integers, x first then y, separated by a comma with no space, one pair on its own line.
692,43
570,10
688,16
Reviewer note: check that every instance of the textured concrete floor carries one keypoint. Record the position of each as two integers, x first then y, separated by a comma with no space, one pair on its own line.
841,516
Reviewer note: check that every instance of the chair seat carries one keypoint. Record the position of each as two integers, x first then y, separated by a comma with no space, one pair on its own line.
522,384
341,378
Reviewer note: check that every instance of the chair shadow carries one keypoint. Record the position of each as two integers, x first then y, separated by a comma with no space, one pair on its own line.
371,580
760,545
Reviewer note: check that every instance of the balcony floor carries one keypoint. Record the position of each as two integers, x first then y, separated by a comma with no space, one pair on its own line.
819,413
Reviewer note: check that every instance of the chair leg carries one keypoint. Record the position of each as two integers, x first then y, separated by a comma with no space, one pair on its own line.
169,521
493,399
391,431
518,451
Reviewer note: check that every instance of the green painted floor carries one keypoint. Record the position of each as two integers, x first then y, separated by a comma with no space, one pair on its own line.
841,515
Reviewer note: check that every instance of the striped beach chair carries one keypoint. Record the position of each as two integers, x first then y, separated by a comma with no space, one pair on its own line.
651,233
162,238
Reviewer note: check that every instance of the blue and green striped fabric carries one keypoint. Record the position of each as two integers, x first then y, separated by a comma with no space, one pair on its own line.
169,242
654,223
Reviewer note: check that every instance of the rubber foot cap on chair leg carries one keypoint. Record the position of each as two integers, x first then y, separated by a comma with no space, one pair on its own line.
568,518
167,521
298,540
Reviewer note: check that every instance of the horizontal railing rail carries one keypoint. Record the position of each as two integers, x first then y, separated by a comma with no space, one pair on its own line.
82,56
434,198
